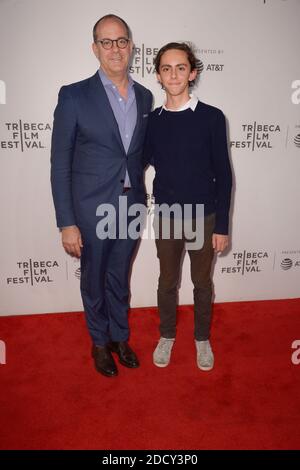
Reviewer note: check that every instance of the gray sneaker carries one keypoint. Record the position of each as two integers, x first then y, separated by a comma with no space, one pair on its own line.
162,353
205,356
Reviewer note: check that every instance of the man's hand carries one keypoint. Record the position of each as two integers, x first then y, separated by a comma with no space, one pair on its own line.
219,242
71,240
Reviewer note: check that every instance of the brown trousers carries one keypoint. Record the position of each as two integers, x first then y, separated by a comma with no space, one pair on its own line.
169,252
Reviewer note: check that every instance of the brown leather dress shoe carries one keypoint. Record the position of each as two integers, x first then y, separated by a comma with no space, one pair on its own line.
126,356
104,362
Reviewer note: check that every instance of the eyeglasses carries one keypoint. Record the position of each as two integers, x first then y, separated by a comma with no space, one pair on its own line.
108,43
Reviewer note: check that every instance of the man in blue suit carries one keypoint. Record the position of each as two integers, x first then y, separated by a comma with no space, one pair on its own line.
96,157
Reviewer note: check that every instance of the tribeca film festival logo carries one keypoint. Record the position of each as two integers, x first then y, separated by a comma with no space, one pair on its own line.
143,60
25,135
33,272
246,262
289,259
257,136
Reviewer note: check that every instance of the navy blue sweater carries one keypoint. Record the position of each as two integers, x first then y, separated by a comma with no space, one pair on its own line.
189,152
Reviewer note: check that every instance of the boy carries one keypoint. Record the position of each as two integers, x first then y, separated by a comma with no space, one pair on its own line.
187,145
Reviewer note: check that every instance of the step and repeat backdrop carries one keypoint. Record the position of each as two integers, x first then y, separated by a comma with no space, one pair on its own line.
248,52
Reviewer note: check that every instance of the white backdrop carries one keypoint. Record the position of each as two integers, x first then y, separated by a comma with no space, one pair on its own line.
251,70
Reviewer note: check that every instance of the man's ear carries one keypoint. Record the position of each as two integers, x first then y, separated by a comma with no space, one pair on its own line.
193,75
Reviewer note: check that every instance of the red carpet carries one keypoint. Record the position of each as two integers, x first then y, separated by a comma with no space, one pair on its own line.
52,398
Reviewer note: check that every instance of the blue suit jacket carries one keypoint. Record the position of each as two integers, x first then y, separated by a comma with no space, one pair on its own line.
88,160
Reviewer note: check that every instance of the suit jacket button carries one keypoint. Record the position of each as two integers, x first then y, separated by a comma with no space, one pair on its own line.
121,181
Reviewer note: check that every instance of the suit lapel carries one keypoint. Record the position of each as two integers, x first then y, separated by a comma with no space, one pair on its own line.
101,101
139,117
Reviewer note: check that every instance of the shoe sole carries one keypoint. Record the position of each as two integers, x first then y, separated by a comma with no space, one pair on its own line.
206,369
105,374
160,365
135,366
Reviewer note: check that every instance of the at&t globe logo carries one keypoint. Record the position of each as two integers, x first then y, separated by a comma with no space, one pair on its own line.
286,264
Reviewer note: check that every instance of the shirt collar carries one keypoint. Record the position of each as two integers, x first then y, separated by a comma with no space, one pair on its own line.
190,104
107,82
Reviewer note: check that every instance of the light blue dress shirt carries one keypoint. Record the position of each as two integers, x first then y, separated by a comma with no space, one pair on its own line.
125,111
